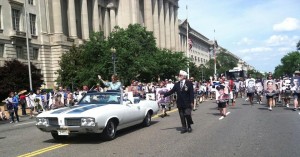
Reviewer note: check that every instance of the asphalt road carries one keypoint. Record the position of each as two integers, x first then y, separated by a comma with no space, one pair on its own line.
246,131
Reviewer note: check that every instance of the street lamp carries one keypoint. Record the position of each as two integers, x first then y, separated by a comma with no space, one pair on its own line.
113,50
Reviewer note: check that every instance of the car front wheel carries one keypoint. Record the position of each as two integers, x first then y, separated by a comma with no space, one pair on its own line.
109,133
147,120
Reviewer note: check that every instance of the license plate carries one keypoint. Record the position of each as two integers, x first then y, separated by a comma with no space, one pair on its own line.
63,132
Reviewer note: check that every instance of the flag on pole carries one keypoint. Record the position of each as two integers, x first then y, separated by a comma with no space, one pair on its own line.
216,44
190,42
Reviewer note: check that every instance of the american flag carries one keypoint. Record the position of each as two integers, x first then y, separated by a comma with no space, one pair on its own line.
190,42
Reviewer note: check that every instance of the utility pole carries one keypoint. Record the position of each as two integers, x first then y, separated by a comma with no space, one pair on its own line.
187,39
27,44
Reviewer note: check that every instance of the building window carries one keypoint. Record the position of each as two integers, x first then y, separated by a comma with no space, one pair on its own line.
32,21
16,19
1,50
30,2
35,54
20,53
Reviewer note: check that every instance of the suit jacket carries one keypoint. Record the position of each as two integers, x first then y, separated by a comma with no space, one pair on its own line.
185,95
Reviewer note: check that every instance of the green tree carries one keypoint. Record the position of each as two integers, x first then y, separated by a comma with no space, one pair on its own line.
137,58
135,48
225,61
289,64
81,65
15,77
298,45
255,74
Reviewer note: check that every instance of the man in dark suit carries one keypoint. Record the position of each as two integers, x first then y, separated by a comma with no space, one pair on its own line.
185,100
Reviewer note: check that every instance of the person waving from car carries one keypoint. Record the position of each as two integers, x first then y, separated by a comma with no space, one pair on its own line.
115,84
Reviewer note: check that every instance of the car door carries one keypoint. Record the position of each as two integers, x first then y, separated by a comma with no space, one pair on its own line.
131,113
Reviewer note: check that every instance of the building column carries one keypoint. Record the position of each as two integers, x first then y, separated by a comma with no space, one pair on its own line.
176,28
95,16
156,23
148,15
167,25
172,27
106,22
72,19
161,14
84,20
57,17
112,18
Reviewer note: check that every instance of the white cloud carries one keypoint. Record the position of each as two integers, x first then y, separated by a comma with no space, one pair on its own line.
288,24
282,40
256,49
245,41
284,49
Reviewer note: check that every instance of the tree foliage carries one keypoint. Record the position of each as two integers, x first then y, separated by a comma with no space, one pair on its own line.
137,57
15,77
289,64
298,46
81,65
224,62
255,74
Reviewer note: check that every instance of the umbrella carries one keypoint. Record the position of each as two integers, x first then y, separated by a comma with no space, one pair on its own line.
22,92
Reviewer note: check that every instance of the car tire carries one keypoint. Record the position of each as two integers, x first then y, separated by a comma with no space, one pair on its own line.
147,120
58,137
109,132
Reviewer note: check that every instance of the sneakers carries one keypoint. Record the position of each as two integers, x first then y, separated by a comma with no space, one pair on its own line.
16,121
295,109
270,108
11,122
287,105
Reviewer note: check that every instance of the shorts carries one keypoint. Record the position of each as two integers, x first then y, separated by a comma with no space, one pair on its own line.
250,94
269,97
296,95
222,105
163,106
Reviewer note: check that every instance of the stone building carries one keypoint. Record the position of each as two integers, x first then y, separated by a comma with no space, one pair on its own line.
201,45
55,25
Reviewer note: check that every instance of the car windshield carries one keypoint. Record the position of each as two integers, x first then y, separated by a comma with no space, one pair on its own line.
101,98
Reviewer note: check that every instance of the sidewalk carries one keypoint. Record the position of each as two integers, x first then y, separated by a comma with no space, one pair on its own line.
21,117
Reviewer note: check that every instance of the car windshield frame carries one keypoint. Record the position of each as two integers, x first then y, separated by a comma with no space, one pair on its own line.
103,98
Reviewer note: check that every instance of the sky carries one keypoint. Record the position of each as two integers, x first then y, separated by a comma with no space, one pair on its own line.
260,32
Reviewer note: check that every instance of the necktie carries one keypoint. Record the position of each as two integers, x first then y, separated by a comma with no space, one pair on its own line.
181,84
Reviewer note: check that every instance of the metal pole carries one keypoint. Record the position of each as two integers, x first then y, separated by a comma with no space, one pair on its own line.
202,71
114,65
27,44
187,39
215,66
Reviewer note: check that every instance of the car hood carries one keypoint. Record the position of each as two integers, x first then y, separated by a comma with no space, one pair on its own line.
78,110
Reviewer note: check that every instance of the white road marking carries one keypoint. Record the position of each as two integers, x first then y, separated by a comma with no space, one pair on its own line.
24,123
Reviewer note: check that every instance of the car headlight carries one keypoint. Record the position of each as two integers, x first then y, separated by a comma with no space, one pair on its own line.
88,122
41,121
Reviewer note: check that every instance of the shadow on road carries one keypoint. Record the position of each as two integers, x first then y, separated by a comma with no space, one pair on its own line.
177,128
263,108
215,114
97,138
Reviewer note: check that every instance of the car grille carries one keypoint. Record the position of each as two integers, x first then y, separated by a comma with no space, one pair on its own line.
72,121
53,121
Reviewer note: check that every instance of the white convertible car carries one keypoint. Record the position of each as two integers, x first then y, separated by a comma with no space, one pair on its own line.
97,112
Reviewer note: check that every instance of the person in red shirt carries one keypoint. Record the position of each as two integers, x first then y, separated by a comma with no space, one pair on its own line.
22,101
